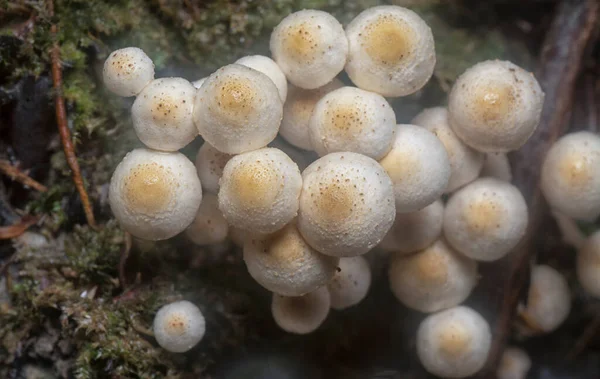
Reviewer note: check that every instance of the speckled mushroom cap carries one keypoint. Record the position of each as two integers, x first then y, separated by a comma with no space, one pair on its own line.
514,364
209,227
302,314
179,326
485,219
454,343
465,162
588,265
351,119
127,71
350,283
346,204
210,163
310,47
497,166
571,176
268,67
297,111
260,190
391,51
495,106
301,157
162,114
418,166
238,109
155,195
432,279
285,264
414,231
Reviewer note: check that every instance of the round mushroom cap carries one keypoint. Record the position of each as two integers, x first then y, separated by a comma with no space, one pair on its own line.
210,163
260,190
486,219
454,343
346,204
465,162
416,230
432,279
350,283
351,119
302,314
514,364
127,71
198,83
588,265
571,176
310,47
285,264
297,111
418,166
497,166
209,227
155,195
238,109
548,301
162,114
495,106
391,51
268,67
179,326
301,157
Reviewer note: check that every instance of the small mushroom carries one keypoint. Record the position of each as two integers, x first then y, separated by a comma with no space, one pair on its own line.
179,326
210,163
301,314
496,165
514,364
127,71
302,158
350,283
588,265
268,67
209,227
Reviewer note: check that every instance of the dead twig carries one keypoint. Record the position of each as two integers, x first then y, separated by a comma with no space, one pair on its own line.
15,230
15,174
123,260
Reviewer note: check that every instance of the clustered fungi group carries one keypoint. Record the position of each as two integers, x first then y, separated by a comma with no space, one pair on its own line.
305,224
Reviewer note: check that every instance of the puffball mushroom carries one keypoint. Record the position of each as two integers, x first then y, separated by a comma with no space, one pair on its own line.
260,190
155,195
485,219
497,166
162,114
268,67
570,178
301,314
454,343
179,326
495,106
416,230
465,162
588,265
351,119
297,111
285,264
310,47
209,227
350,283
238,109
210,163
514,364
548,301
127,71
346,204
432,279
418,166
391,51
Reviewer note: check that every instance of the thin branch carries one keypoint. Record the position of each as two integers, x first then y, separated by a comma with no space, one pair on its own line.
15,174
15,230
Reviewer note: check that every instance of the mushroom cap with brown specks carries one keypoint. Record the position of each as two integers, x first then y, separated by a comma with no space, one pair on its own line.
209,227
350,283
268,67
127,71
210,163
179,326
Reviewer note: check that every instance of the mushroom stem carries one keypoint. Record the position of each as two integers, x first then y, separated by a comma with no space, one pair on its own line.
571,233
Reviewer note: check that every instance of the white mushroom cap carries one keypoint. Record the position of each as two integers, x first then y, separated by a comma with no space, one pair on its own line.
548,301
238,109
571,176
210,163
495,106
302,314
297,111
260,190
351,119
198,83
155,195
179,326
418,166
350,283
162,114
486,219
209,227
497,166
454,343
301,157
285,264
391,51
432,279
416,230
588,265
268,67
514,364
346,204
127,71
310,47
465,162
